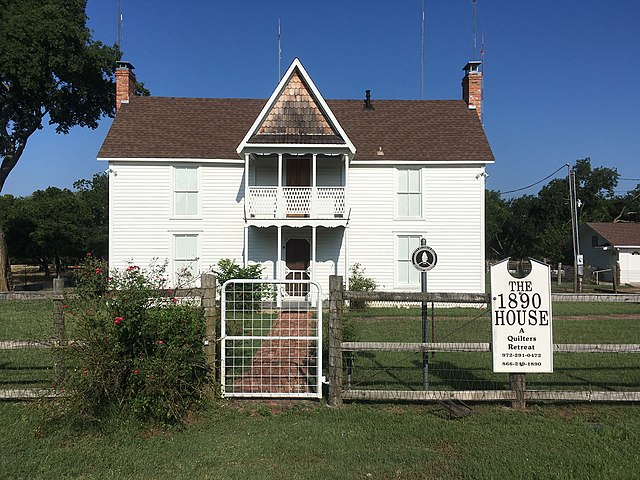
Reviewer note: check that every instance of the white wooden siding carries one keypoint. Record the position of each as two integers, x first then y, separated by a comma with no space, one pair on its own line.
629,266
142,225
452,222
329,172
263,249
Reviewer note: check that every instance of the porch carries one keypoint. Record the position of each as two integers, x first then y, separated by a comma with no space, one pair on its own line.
292,186
295,253
291,202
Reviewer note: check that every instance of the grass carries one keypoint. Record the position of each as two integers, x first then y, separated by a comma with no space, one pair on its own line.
309,441
26,319
251,440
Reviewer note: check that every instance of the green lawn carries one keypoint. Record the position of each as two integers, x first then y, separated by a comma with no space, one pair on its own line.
250,440
309,441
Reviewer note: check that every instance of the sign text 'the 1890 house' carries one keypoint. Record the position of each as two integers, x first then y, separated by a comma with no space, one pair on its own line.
521,320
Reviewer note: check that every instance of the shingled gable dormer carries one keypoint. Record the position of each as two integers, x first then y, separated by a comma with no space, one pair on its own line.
296,114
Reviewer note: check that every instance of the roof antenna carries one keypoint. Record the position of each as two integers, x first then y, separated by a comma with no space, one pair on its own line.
474,28
279,52
422,54
120,25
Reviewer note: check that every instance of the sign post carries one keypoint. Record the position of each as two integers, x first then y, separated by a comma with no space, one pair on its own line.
521,320
424,258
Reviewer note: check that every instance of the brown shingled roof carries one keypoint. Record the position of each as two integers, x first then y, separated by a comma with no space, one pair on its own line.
618,234
212,128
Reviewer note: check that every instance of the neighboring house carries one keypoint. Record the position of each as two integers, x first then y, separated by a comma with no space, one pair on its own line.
305,186
605,244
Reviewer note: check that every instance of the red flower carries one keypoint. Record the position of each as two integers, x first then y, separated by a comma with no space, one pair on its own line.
117,320
86,372
65,306
160,342
135,372
88,254
98,271
174,300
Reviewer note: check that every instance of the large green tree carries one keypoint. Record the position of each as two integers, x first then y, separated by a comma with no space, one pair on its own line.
58,225
540,225
50,70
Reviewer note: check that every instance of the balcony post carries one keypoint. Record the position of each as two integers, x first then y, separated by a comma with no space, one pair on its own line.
314,246
279,266
345,159
314,188
247,203
280,203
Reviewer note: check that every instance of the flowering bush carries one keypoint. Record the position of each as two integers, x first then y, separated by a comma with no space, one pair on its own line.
139,350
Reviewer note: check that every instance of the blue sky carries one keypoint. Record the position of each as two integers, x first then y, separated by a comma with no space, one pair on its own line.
560,76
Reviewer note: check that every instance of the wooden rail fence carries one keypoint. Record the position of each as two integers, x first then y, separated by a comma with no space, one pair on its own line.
517,394
206,292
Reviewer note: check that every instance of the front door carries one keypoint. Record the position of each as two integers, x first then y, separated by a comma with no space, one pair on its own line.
298,259
298,172
298,175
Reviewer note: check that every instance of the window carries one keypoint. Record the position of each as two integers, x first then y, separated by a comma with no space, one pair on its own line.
185,258
185,191
409,197
406,273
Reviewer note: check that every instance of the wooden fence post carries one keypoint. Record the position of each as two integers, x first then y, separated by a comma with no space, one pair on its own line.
208,285
58,329
518,383
336,303
559,273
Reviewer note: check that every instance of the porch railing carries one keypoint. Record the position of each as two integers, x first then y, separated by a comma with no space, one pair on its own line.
310,202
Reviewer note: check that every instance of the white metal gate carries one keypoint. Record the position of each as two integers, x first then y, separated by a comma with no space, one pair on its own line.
271,340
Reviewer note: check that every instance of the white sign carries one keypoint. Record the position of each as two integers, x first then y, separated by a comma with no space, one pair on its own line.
521,320
424,258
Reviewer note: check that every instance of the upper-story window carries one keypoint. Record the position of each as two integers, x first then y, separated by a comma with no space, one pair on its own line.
409,193
185,191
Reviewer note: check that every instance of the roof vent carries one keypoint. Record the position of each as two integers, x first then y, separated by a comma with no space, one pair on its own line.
368,105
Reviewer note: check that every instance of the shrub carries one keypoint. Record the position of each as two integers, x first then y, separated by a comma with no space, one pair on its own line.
358,282
244,297
139,350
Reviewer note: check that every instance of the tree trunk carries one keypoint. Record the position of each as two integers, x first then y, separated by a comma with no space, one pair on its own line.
5,266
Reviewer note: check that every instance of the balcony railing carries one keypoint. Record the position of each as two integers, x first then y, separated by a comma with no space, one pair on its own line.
291,202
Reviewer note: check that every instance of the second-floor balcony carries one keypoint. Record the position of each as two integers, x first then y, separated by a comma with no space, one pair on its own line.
296,202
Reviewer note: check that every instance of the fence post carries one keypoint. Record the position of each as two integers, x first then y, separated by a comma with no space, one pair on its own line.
518,383
58,329
336,303
559,273
616,277
208,285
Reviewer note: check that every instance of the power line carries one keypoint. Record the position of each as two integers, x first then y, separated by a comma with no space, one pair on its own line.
536,183
630,179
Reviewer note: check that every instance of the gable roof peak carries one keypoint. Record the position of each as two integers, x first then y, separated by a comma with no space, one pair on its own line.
296,114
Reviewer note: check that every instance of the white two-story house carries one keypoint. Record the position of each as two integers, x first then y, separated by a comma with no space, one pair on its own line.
304,186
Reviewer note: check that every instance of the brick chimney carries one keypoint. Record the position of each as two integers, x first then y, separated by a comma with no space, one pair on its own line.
472,86
125,83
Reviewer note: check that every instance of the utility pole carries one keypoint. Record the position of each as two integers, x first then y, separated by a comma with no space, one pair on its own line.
577,258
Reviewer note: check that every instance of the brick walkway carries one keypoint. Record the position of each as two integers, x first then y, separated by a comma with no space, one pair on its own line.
283,366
